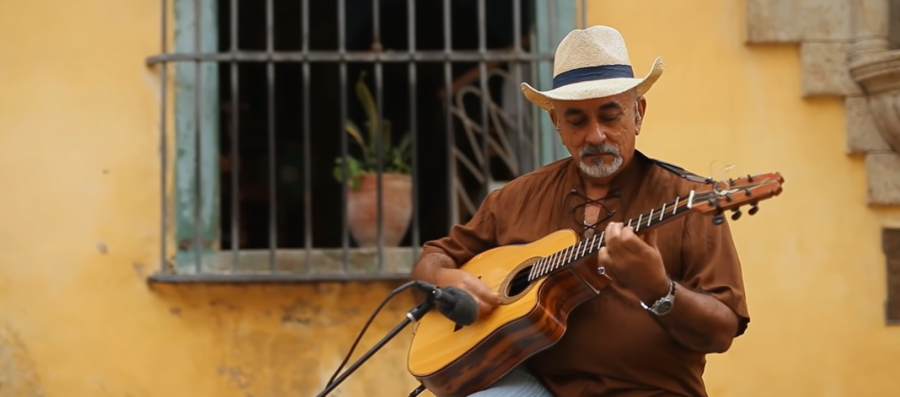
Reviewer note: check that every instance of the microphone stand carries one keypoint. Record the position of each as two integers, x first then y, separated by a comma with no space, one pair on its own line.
415,314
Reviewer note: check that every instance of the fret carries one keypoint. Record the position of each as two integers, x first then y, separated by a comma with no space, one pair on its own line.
583,248
534,268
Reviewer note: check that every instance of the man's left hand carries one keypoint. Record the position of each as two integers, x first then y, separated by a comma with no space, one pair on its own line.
634,261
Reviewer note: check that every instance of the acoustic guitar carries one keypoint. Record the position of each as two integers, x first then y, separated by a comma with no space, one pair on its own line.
540,283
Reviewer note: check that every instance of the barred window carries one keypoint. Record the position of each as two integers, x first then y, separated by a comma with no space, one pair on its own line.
324,140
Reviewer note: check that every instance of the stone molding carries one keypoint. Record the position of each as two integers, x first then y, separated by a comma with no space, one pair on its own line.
845,52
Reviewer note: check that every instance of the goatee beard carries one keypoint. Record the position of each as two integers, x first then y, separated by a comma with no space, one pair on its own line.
597,169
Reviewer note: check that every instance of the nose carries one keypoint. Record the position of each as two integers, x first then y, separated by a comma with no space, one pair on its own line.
595,134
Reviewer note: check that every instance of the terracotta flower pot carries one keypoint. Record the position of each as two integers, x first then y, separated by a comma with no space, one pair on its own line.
362,209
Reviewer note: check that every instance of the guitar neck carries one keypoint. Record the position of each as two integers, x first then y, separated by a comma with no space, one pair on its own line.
565,258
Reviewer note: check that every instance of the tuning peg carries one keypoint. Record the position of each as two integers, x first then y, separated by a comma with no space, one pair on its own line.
736,214
718,219
753,209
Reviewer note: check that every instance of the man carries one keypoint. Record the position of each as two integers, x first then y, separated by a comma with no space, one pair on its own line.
635,338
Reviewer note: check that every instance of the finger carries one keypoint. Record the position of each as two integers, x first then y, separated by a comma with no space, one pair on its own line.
603,258
634,243
649,237
605,261
617,228
611,236
611,227
627,233
493,297
484,308
485,294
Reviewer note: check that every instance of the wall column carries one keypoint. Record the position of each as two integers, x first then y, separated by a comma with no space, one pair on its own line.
877,71
869,24
845,52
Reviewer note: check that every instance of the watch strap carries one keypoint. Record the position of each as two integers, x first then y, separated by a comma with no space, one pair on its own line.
669,298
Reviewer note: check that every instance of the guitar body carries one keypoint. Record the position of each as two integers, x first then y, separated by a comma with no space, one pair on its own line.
454,361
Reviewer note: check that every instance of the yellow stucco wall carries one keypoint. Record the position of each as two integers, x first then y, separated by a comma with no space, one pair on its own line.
79,234
812,257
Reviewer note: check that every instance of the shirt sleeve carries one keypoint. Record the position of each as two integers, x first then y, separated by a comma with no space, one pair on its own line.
711,264
476,236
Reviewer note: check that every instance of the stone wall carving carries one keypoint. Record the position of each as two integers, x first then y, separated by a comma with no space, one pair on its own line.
845,51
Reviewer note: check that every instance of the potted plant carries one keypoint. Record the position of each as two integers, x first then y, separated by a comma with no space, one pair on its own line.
362,178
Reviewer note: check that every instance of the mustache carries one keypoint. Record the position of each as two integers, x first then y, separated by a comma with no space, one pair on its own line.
602,148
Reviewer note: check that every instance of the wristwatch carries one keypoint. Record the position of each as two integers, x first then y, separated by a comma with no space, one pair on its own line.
663,305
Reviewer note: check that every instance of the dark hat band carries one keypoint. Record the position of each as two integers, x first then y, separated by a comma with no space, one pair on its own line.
592,73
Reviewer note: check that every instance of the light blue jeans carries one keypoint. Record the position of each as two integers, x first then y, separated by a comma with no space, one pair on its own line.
518,382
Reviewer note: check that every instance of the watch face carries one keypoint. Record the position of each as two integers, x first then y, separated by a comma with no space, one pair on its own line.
664,307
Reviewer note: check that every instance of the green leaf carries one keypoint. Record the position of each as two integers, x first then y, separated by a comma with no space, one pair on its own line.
369,106
404,146
354,171
354,131
395,158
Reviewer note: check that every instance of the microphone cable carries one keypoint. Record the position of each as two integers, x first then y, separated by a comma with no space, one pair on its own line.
365,327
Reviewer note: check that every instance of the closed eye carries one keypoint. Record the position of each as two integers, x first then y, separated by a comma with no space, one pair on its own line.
609,119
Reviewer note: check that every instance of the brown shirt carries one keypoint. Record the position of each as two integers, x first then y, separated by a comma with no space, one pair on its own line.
612,346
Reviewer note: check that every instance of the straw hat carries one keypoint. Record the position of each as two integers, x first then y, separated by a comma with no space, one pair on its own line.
592,63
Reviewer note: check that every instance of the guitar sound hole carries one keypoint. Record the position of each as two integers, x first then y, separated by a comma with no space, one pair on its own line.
519,282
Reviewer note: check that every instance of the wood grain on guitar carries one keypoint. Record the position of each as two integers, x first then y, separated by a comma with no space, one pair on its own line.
540,283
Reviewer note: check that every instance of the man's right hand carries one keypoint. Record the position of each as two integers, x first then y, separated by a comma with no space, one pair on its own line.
486,298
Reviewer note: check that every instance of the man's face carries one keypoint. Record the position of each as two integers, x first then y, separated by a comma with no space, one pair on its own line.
600,133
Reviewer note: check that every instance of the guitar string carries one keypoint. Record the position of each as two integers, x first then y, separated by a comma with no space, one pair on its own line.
571,254
547,265
552,262
555,261
594,246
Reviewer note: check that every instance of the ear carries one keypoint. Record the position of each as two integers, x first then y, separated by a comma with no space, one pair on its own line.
639,110
553,118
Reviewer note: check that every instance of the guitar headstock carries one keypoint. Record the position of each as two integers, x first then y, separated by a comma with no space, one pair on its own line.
732,194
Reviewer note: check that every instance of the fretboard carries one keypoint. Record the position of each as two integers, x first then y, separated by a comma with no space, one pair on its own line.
563,259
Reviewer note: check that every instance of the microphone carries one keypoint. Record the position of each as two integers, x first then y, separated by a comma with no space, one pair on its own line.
454,303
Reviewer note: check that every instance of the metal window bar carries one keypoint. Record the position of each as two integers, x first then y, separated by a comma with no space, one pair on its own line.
235,142
515,57
198,123
413,122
